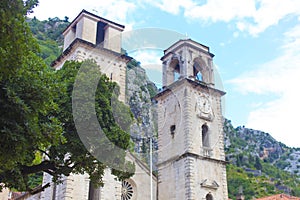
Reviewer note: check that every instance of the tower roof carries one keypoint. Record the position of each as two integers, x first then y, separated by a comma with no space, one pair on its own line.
187,42
96,17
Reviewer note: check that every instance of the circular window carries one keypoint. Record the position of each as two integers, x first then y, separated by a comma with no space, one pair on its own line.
127,191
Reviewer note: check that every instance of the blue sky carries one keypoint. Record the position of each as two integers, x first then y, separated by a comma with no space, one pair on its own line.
256,45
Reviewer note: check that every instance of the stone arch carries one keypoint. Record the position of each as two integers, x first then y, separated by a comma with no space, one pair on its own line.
205,135
209,196
197,71
175,68
200,70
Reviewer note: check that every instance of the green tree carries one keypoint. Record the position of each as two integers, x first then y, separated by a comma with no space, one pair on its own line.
27,90
36,110
79,159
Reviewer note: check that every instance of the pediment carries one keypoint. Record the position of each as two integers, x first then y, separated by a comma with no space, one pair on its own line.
212,184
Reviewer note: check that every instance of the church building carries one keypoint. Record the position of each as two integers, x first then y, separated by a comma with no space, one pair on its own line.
191,160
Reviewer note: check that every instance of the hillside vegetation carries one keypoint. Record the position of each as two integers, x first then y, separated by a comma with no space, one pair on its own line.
49,36
259,163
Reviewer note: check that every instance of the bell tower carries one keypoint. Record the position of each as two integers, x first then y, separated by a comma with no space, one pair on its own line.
191,159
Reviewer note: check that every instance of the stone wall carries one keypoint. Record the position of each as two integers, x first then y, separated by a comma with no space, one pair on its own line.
113,65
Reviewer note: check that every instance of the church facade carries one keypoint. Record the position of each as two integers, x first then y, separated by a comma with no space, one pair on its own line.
91,37
191,160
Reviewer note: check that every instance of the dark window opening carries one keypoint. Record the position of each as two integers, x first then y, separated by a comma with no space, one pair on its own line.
74,28
209,197
177,68
172,130
100,33
205,136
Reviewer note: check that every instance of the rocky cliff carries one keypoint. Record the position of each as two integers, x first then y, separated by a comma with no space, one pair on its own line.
139,90
247,143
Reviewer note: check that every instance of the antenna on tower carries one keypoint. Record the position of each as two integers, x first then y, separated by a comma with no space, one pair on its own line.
94,10
186,36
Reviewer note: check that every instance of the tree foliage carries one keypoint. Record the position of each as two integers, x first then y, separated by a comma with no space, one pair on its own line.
27,91
37,130
79,159
49,36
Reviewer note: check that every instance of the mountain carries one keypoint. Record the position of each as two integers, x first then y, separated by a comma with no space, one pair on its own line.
258,165
49,37
261,144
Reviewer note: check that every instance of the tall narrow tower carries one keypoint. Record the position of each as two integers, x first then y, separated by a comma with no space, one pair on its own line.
191,159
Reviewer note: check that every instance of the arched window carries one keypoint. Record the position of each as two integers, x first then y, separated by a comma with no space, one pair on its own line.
209,197
205,136
175,67
197,71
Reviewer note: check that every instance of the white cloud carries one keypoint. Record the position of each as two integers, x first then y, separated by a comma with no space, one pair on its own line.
172,7
280,76
220,10
270,13
252,16
115,10
150,59
280,118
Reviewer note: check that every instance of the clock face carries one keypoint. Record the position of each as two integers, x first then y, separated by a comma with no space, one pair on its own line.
205,105
204,108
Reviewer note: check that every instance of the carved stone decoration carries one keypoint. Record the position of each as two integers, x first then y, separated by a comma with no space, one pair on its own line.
204,108
127,191
212,184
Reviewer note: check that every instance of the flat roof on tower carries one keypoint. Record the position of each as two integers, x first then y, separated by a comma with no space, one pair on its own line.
188,42
101,19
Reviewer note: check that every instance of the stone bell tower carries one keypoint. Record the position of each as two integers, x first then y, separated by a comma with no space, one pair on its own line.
191,159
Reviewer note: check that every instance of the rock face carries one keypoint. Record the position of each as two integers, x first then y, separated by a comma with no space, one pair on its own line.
139,90
246,143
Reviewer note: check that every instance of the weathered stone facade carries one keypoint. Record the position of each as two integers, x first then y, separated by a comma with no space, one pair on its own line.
77,186
92,37
81,42
191,159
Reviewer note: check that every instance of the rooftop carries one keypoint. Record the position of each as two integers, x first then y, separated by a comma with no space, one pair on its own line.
279,197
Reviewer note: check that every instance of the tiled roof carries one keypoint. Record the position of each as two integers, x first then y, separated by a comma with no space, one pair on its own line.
279,197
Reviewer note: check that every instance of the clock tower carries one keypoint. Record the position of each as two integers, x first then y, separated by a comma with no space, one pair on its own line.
191,159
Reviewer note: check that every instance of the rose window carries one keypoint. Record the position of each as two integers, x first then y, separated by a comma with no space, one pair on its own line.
127,191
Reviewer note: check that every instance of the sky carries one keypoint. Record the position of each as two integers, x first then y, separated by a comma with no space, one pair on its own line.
256,44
